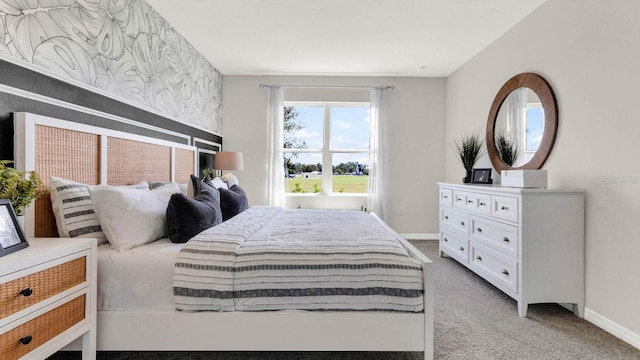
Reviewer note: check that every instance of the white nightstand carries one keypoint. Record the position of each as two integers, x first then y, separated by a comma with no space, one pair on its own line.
48,298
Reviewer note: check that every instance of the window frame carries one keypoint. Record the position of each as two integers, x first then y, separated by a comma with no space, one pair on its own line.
326,151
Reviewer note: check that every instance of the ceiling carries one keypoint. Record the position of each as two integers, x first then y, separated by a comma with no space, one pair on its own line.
422,38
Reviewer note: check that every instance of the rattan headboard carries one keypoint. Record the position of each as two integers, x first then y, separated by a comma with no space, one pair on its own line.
92,155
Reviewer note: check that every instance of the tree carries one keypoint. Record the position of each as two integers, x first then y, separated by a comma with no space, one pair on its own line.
291,126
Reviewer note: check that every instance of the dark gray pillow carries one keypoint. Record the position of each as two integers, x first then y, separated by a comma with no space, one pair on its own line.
188,217
232,201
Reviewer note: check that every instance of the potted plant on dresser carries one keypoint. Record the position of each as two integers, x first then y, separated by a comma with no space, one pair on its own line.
470,148
20,187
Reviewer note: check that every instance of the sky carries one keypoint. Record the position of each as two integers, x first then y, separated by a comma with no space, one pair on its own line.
535,127
349,131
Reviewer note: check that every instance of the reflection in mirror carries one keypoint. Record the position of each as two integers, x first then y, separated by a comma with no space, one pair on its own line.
525,112
520,121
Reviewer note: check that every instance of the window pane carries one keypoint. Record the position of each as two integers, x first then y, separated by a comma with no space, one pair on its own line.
350,127
535,128
350,172
303,172
303,127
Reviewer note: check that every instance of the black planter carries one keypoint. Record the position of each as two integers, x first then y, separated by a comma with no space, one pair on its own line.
467,179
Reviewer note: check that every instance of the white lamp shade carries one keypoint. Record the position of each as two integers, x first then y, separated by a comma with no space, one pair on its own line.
229,160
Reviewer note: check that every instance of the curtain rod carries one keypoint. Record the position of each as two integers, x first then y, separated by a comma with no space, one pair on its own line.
330,86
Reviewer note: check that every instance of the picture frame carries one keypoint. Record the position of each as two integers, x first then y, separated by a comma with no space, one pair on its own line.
12,237
481,176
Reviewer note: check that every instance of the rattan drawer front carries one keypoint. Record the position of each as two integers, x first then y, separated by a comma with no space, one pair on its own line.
41,329
43,284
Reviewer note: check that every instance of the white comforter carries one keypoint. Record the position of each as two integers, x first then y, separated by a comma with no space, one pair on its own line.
267,258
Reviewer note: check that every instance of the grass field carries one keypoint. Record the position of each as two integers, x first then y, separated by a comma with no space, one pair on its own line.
350,183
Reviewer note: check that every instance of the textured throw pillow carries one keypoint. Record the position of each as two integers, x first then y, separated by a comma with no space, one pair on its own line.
188,217
132,217
73,209
233,202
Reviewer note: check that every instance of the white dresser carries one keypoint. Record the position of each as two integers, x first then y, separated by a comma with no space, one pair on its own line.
529,243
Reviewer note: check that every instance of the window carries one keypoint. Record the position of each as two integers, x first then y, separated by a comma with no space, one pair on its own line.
534,129
326,147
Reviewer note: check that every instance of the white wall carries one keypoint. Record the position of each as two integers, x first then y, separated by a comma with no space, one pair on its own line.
589,51
416,140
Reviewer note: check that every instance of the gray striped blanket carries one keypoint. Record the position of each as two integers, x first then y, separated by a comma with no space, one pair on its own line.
267,258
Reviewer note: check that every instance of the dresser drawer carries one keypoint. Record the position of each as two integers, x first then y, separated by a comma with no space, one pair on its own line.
498,236
446,197
455,246
19,294
505,208
455,220
474,202
23,339
497,269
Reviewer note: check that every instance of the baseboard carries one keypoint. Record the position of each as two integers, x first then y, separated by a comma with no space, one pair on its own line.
612,327
421,236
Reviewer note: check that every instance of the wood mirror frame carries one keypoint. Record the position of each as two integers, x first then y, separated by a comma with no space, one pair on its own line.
540,86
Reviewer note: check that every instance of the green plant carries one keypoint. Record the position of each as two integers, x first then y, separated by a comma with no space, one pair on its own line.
210,172
298,189
316,188
470,148
20,187
507,149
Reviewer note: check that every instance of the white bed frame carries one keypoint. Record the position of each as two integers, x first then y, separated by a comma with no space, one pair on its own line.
246,331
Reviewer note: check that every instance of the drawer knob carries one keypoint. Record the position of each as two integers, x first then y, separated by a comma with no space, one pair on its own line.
26,292
459,199
469,201
446,240
445,197
483,204
461,248
505,272
479,258
504,208
462,223
446,217
505,239
26,340
479,229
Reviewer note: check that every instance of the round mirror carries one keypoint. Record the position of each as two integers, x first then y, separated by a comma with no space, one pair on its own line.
522,123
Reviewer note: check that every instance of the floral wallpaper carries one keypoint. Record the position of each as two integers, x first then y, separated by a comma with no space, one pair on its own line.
123,47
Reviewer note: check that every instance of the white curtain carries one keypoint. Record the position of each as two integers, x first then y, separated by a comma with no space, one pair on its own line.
517,119
275,144
378,193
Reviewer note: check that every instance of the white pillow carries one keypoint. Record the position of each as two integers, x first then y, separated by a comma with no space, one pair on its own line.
218,183
157,184
73,208
132,217
230,179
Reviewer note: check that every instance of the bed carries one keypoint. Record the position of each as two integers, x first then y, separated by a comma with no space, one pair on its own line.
148,320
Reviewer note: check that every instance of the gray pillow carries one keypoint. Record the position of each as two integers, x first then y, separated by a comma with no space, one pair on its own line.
188,217
233,201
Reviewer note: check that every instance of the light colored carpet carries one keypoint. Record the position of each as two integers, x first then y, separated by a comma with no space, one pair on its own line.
473,321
